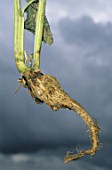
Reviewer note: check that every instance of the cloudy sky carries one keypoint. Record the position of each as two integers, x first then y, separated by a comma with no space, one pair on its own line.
33,136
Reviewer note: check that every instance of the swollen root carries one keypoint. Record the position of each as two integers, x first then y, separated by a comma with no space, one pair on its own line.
46,88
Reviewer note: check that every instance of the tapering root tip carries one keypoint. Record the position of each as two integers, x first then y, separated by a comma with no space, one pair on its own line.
95,146
70,157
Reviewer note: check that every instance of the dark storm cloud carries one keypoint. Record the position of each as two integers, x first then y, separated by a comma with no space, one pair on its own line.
91,50
41,161
84,31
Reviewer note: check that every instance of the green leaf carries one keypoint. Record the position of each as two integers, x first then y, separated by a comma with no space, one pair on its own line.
30,23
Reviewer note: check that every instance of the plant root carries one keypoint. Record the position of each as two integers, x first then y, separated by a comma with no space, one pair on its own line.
46,89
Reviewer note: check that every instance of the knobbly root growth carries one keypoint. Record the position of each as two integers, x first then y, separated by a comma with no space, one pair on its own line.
46,88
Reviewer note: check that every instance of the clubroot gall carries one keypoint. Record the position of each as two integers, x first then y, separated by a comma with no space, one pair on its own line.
45,88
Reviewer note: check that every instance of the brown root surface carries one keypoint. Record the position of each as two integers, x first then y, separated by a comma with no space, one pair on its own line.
46,88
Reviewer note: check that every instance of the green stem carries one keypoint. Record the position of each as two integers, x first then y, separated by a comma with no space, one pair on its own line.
39,33
19,37
27,5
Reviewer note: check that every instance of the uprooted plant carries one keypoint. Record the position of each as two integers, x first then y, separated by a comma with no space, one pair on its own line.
45,88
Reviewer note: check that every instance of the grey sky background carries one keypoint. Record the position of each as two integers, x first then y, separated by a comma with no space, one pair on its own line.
33,136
